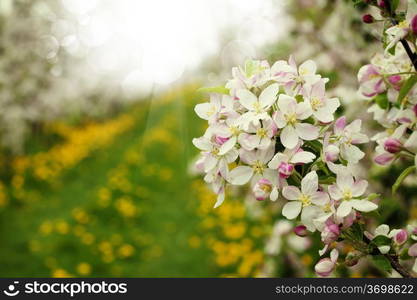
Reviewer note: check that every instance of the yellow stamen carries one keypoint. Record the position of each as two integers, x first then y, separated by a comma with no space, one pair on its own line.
305,200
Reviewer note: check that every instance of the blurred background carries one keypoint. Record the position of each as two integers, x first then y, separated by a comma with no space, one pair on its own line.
96,123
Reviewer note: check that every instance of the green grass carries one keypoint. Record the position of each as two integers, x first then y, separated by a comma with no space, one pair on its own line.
159,233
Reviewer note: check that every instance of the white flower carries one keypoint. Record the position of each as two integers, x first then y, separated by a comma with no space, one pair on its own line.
288,118
322,107
348,136
229,130
254,74
346,190
258,136
257,107
218,185
265,188
210,110
211,153
397,32
307,201
289,74
285,161
256,161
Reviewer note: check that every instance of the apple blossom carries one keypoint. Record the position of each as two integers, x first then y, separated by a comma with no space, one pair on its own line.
288,119
285,161
307,201
257,107
347,191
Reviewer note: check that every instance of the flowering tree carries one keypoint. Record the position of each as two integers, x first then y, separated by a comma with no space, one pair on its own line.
274,128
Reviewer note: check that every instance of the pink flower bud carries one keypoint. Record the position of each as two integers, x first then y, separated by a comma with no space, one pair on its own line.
300,230
412,251
414,24
262,189
382,3
384,158
368,19
285,169
331,153
401,237
330,233
340,123
394,79
392,145
415,109
220,140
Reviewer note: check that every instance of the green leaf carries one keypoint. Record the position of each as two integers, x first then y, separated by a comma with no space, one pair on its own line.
215,89
327,180
382,100
357,231
392,50
401,178
314,145
381,262
299,98
404,254
394,4
381,240
407,86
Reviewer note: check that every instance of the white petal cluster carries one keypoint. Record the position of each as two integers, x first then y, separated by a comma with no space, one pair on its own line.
275,130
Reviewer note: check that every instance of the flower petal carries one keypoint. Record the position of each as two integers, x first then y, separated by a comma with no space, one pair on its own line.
307,131
335,192
310,183
359,188
344,209
287,104
291,192
289,137
291,209
240,175
269,95
304,157
246,98
363,205
320,198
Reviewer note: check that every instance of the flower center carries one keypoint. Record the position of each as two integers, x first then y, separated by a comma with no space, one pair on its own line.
316,103
327,208
215,151
305,200
234,130
261,132
403,24
258,167
291,119
303,71
257,107
347,194
267,188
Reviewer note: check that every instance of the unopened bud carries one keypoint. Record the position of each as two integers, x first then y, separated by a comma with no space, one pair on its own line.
414,24
392,145
368,19
300,230
401,237
352,258
382,3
